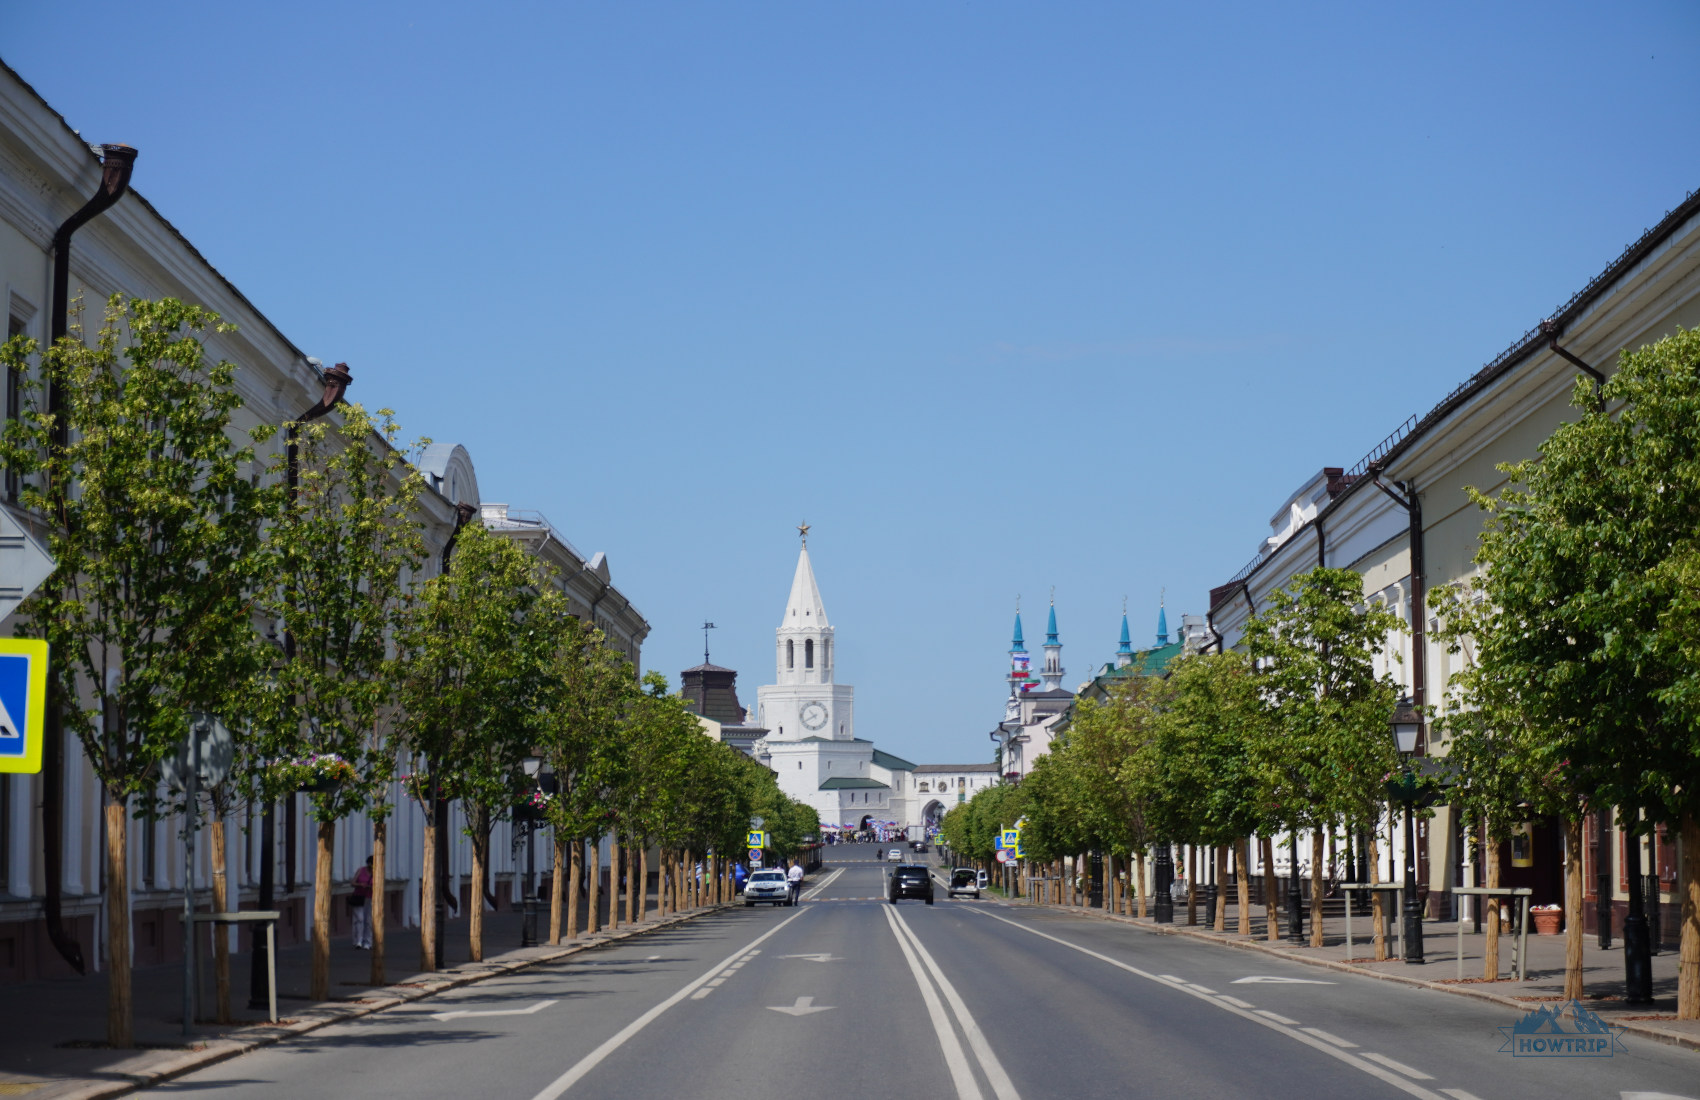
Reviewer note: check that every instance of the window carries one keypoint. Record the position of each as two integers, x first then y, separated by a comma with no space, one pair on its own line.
809,653
790,653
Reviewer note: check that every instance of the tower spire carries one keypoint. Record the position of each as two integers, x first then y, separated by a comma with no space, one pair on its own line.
1162,619
1124,651
1052,674
1020,679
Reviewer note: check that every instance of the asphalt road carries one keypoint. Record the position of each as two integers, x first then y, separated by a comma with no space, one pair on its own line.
848,995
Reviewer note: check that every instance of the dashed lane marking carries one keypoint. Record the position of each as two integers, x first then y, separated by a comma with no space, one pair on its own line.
1398,1067
1237,1003
1277,1017
1327,1037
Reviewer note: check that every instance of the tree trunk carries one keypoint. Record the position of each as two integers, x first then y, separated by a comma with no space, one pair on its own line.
221,933
1221,923
1242,849
558,887
319,984
1271,918
1192,884
1108,898
119,1033
1377,910
480,875
631,885
380,869
643,883
1573,908
1142,897
571,855
1688,959
1490,942
1316,850
616,882
429,890
592,850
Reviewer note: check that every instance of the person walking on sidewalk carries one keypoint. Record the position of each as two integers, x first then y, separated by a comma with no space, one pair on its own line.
361,903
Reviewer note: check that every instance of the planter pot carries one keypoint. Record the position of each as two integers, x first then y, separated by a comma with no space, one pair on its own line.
1546,924
318,786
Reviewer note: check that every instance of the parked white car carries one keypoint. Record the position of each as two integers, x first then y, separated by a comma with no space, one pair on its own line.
964,881
983,879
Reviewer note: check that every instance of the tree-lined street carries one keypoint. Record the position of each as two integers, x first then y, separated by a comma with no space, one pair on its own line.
965,999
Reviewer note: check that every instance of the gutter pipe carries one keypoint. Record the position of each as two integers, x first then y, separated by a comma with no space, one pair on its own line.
1549,329
335,381
117,164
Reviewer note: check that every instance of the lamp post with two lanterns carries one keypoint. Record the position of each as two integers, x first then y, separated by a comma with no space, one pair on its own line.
543,783
1407,726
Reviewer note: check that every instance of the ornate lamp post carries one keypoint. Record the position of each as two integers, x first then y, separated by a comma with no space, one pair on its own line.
1407,725
1162,885
528,927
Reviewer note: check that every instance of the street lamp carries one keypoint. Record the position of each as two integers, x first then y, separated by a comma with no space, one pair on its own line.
1162,885
1407,726
528,926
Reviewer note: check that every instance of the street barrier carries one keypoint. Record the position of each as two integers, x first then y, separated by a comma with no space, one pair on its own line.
1520,945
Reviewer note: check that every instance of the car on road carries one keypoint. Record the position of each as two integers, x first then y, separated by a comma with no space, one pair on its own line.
981,879
917,846
768,886
910,880
964,881
894,856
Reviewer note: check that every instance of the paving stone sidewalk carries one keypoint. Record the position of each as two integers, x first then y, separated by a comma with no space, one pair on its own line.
1602,969
51,1032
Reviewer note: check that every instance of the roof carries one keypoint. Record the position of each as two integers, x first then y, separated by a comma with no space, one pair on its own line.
895,763
836,740
803,607
851,783
710,668
1148,662
968,769
1524,348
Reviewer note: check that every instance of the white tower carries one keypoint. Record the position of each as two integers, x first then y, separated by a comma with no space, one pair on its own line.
1052,673
804,701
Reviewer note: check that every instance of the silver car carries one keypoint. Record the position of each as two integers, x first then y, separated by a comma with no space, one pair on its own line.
894,856
769,886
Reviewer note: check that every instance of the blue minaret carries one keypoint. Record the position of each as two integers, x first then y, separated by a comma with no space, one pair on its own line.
1162,624
1124,651
1020,679
1052,674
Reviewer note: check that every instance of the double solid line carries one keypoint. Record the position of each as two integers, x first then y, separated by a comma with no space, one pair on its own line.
928,975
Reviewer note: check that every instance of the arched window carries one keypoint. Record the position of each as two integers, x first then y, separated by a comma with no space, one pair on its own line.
790,653
809,653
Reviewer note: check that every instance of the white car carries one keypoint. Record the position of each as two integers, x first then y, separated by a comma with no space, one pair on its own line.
964,881
982,879
894,856
769,886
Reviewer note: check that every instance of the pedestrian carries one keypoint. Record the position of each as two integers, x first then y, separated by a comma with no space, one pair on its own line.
360,902
795,876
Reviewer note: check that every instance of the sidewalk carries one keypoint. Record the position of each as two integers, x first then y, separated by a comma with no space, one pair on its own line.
52,1032
1602,971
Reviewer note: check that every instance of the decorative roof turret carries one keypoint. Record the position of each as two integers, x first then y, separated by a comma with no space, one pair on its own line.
1124,651
1162,623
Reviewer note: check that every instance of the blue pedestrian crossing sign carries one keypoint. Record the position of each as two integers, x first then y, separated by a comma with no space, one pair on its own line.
23,702
756,839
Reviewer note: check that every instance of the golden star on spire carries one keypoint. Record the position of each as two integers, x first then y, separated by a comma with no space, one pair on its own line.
803,530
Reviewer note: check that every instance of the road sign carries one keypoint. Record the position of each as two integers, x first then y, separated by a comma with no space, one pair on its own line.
217,753
757,822
24,564
756,839
1003,855
755,857
23,703
1011,839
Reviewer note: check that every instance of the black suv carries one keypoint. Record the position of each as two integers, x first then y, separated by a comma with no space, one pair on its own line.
911,880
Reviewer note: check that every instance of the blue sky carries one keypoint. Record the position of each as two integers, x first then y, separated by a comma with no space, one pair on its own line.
997,296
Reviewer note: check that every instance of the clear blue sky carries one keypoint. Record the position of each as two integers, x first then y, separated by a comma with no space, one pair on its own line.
997,296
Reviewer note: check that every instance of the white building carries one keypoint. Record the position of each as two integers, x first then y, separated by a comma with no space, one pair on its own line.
811,742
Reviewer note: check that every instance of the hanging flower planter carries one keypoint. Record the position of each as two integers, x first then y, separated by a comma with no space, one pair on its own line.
535,807
320,773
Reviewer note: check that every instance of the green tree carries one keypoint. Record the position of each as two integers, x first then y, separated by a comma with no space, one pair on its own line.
478,653
1590,618
1314,644
345,547
157,531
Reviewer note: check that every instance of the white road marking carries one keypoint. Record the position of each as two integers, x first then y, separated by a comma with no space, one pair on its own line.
1460,1094
1327,1037
461,1012
1237,1003
1260,1018
590,1061
1400,1067
823,957
1202,989
988,1059
1277,1017
804,1006
824,883
1269,979
957,1062
1172,978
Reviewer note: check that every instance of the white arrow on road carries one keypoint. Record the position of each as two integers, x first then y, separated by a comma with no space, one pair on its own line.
823,957
1266,979
456,1014
803,1007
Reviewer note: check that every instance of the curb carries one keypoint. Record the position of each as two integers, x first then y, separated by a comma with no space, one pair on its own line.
214,1051
1632,1027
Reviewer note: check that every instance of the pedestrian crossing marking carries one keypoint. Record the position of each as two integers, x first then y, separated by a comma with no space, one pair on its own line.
23,703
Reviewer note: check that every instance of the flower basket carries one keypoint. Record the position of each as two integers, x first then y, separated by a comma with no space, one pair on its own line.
1547,919
319,773
535,807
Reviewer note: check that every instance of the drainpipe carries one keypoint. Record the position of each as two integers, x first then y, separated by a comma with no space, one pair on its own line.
117,162
440,806
1549,329
1408,499
335,382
